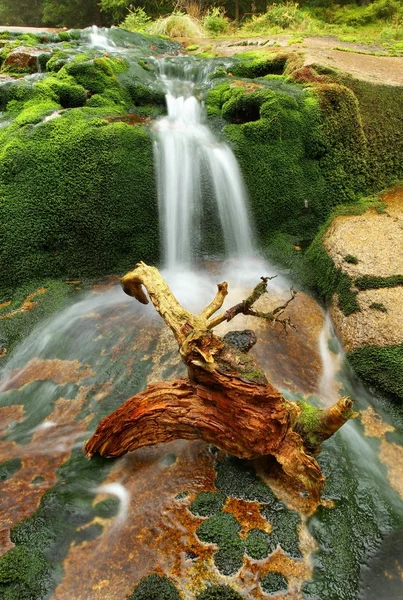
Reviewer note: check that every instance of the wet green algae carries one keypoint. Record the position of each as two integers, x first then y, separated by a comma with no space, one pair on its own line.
66,512
237,479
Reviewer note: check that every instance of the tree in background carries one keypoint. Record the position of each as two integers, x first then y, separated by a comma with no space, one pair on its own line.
73,13
21,12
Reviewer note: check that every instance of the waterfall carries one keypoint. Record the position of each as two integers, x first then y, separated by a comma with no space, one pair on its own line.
186,153
99,40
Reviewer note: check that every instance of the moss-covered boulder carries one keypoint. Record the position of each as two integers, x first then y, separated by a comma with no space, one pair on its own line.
359,269
307,140
78,194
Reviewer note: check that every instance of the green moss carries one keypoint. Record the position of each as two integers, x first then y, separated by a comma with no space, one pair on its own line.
9,467
223,530
258,544
274,583
352,260
106,509
20,325
381,113
94,75
308,424
155,587
78,196
378,306
57,61
328,279
380,366
207,504
31,569
219,592
371,282
285,528
258,64
23,574
236,478
365,513
64,91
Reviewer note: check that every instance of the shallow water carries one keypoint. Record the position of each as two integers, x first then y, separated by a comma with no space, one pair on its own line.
86,361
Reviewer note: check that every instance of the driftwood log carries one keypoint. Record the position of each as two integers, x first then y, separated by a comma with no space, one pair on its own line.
226,399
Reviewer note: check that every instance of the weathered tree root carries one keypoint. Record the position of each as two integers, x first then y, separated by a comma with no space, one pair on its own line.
226,399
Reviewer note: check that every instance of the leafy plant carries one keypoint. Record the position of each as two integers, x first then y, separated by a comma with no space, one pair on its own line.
136,20
215,21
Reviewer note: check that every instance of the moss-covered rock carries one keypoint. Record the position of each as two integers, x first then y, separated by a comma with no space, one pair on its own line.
30,570
207,504
274,583
258,544
78,196
219,592
155,587
223,530
381,366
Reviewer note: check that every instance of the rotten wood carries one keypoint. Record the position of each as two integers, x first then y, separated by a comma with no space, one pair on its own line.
226,399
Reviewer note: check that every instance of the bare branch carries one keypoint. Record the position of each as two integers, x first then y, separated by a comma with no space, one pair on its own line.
218,301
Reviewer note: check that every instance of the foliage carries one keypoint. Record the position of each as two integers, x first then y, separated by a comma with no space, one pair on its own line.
136,20
72,14
284,15
21,12
356,16
116,8
215,22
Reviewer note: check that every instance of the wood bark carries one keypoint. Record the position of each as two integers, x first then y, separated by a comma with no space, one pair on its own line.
226,399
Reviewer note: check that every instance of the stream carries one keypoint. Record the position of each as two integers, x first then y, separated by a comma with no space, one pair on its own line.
94,529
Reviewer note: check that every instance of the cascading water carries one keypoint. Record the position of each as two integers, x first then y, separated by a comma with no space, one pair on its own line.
83,362
185,151
99,40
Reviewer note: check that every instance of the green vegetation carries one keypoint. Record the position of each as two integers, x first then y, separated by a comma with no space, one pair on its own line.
308,422
219,592
371,282
223,529
258,544
380,366
30,570
16,328
9,467
178,24
155,587
327,278
207,504
378,306
76,174
352,260
274,583
364,515
379,21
